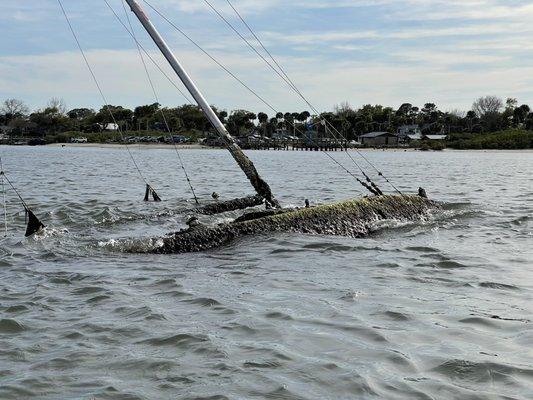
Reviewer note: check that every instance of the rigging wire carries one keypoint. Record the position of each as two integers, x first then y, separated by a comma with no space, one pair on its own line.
15,190
280,71
229,72
156,64
156,96
302,96
34,225
106,104
4,196
283,75
197,45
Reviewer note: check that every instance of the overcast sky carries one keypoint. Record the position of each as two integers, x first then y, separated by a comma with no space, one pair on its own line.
382,52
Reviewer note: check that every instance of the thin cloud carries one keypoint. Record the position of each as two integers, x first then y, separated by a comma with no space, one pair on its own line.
380,51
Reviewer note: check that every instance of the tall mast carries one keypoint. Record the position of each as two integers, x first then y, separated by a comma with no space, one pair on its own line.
260,186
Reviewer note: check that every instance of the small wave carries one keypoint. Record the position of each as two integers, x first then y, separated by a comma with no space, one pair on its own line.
182,340
155,317
481,371
73,335
328,246
98,299
67,279
48,232
278,315
16,392
402,360
145,245
88,290
499,286
170,282
262,364
456,206
172,293
479,321
109,216
396,316
240,328
17,309
133,312
450,264
61,281
11,326
386,224
204,302
422,249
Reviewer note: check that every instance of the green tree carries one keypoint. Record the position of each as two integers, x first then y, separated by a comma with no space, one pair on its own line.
82,118
303,116
263,122
143,114
520,114
239,121
50,120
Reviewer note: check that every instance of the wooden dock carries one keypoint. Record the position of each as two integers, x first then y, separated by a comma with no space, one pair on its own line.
296,145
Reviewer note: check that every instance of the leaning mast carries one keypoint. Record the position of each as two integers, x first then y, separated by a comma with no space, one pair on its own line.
260,186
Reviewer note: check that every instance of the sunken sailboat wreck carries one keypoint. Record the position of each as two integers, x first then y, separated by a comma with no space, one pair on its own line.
352,218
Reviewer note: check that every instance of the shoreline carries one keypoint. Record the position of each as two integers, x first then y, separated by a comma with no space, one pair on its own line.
161,146
139,145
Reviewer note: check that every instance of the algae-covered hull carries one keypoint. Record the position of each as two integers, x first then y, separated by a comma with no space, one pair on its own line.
352,218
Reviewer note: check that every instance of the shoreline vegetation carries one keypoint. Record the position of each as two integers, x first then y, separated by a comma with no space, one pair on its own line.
491,124
197,146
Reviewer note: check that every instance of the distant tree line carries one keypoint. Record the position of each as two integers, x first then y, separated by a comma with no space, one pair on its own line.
488,114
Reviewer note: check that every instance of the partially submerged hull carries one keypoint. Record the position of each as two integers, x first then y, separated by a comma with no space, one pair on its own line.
351,218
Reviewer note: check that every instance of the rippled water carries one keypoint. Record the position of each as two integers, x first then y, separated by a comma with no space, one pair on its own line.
436,310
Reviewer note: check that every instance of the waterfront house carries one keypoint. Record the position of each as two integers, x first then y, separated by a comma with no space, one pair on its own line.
409,130
378,139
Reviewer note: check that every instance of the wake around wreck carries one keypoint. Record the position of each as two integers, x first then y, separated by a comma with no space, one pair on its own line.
351,218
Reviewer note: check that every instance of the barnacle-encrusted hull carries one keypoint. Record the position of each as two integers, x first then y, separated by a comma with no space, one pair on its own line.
351,218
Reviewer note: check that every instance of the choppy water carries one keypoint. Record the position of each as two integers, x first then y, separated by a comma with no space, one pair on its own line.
436,310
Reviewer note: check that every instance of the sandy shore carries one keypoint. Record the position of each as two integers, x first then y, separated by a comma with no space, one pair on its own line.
188,146
133,145
202,147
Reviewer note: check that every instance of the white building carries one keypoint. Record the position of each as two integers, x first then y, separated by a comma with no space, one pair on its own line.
109,127
408,130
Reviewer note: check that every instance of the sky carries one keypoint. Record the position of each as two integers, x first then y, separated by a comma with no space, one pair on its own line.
388,52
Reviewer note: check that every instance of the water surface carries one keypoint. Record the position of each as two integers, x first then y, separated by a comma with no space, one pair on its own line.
434,310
